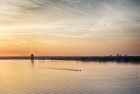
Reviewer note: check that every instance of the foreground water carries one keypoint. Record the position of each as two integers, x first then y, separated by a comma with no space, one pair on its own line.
68,77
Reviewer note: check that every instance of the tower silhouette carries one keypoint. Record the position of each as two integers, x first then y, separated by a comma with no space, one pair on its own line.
32,56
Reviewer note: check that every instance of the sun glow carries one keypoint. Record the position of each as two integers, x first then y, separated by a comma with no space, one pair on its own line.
107,28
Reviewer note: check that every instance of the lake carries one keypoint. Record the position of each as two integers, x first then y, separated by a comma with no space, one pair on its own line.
68,77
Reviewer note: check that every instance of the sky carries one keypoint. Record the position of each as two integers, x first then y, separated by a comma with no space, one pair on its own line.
69,27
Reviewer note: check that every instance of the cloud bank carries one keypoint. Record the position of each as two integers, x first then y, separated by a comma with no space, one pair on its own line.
94,21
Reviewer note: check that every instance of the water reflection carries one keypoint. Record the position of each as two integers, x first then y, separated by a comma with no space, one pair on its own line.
105,62
32,64
58,77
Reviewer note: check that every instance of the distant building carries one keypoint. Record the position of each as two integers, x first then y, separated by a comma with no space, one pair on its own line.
32,56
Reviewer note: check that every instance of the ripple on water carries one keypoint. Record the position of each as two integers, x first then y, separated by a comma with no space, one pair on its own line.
46,78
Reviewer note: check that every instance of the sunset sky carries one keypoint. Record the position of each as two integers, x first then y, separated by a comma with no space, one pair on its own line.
69,27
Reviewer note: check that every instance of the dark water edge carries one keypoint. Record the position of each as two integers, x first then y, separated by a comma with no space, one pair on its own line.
133,59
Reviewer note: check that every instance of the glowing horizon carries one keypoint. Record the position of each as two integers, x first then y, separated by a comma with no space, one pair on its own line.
69,27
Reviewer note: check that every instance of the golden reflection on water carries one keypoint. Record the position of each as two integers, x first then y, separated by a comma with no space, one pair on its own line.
68,77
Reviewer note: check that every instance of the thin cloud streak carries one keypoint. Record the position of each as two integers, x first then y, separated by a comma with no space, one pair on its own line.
67,20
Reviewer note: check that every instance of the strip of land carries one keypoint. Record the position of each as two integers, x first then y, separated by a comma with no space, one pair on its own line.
79,58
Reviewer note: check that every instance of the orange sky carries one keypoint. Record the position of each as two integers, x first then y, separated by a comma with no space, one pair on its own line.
56,29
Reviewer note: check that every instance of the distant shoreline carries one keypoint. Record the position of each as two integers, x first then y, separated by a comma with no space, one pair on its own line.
79,58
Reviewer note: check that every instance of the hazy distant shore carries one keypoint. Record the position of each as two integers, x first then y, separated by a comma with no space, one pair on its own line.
80,58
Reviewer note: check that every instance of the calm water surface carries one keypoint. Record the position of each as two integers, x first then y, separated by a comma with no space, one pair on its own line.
68,77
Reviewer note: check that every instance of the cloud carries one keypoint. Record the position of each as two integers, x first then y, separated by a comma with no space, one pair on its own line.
88,20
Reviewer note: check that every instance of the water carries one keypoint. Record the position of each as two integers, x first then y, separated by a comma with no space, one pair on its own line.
68,77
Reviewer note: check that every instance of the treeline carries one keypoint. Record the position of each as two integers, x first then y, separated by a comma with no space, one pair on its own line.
80,58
